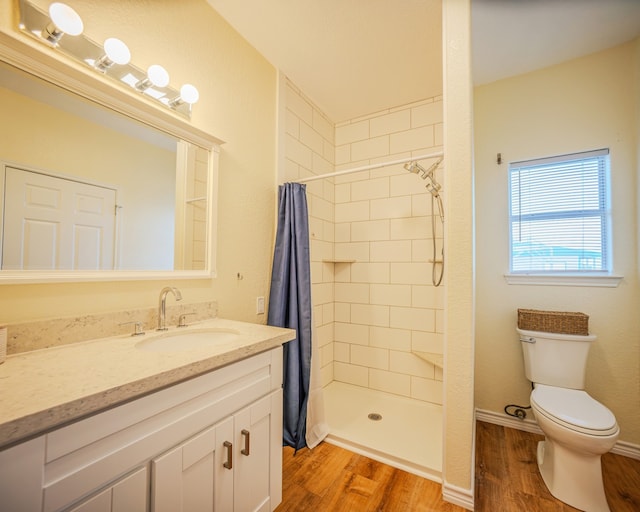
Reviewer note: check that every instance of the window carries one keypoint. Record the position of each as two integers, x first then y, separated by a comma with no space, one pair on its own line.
559,214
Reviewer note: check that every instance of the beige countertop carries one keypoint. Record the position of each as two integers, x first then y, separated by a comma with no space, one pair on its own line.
46,388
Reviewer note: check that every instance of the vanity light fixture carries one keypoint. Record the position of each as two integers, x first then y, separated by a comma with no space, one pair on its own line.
156,75
63,20
115,52
112,59
188,94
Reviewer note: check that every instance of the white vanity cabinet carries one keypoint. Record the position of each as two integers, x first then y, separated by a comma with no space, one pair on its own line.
226,467
163,452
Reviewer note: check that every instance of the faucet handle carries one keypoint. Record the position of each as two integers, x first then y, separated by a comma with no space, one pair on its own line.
137,329
181,319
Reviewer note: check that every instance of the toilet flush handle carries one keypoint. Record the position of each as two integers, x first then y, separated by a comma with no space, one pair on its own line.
527,339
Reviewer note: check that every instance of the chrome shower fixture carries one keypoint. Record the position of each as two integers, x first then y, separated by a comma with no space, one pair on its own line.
432,186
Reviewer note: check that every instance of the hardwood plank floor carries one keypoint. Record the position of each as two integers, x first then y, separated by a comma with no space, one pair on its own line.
507,477
330,478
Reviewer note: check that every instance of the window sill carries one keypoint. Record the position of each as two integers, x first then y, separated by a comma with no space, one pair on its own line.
602,281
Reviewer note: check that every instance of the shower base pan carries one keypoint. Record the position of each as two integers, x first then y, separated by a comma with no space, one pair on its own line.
403,432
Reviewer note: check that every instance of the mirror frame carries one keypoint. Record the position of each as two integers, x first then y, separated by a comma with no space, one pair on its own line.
27,55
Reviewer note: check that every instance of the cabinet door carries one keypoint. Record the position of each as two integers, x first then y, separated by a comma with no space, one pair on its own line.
253,434
191,477
128,495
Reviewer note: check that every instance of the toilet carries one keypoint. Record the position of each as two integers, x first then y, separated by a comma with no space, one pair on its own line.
577,428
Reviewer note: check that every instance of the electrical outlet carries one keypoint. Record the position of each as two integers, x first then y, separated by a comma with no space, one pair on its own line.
260,305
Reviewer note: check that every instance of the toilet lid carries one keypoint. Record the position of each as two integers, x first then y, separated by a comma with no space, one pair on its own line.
575,409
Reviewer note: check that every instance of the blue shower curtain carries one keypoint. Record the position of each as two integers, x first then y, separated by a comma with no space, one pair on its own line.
290,306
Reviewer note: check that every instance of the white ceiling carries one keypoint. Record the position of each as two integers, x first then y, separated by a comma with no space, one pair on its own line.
356,57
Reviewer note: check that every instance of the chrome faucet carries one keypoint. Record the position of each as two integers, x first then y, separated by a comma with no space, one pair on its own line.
162,303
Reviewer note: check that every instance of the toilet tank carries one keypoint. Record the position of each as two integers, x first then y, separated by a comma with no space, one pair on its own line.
555,359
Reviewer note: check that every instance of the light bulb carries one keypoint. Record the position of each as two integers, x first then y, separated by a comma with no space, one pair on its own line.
189,94
158,75
116,52
64,20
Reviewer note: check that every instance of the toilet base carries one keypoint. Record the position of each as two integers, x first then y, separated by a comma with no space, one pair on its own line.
575,479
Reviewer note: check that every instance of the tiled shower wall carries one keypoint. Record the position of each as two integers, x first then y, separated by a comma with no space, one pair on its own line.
374,304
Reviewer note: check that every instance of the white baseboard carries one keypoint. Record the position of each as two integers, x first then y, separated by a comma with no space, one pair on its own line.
529,425
457,495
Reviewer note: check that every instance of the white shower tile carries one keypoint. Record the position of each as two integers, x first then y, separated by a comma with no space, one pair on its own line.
390,251
326,374
351,333
351,374
343,193
342,154
310,138
427,390
326,354
405,184
342,272
351,212
324,334
370,272
410,364
322,293
370,230
323,126
421,250
358,251
348,133
411,273
430,113
371,148
410,140
389,123
370,189
410,228
396,339
416,319
298,105
390,208
370,315
292,124
370,357
390,382
427,296
342,312
297,152
341,352
352,292
342,232
391,294
427,342
328,313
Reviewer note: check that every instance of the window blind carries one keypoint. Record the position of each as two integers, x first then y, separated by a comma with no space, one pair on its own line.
559,214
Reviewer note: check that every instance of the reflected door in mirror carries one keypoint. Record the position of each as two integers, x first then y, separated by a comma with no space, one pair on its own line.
56,223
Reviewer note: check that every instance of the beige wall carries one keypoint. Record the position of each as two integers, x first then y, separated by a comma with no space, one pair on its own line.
237,104
587,103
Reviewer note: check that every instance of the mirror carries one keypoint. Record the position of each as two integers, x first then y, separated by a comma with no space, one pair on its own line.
90,193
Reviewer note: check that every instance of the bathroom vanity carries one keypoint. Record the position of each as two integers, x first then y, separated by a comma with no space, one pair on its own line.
131,424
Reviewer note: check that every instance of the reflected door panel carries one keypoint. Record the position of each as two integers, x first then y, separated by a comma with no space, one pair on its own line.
56,223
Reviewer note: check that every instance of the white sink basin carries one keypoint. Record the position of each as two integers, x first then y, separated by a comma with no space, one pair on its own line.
180,341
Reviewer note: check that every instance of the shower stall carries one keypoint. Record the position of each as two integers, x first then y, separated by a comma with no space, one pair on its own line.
375,189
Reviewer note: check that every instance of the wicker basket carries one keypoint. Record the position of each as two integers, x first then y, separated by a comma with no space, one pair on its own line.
559,322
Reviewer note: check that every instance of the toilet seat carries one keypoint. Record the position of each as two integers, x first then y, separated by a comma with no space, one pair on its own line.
574,409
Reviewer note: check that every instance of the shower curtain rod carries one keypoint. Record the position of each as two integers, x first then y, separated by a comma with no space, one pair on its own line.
371,166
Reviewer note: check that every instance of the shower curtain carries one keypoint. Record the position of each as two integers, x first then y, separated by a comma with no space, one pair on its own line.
290,306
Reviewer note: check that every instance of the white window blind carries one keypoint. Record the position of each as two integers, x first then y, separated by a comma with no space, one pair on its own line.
560,214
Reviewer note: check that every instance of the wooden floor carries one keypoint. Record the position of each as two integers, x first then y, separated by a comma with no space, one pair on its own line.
329,478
